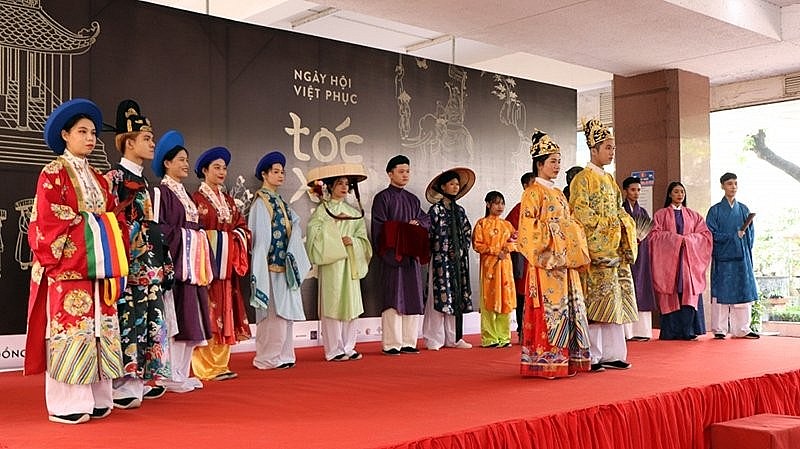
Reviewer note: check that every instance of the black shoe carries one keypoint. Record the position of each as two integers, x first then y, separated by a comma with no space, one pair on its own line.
640,339
286,365
505,345
752,336
719,336
597,368
493,345
75,418
225,376
154,392
99,413
616,364
409,350
393,351
339,357
356,356
126,403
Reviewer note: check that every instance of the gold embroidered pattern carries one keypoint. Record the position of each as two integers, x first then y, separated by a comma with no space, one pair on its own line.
62,212
77,302
57,247
53,167
69,248
36,272
68,276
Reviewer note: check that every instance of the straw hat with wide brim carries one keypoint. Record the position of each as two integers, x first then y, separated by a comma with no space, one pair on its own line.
466,178
355,172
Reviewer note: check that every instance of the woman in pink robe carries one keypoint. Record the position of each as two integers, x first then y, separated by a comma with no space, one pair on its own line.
680,246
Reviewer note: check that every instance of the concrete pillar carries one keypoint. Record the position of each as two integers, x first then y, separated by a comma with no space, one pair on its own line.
661,123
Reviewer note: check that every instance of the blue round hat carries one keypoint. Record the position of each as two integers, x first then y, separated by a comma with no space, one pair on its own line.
62,114
210,156
275,157
166,143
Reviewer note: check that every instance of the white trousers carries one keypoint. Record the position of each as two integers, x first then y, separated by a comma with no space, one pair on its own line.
67,399
180,357
438,329
399,331
338,337
641,328
733,318
274,341
607,343
128,387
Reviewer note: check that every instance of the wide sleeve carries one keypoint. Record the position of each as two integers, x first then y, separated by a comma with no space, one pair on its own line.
360,252
547,239
699,243
602,227
297,251
665,245
55,233
725,233
242,238
324,239
482,241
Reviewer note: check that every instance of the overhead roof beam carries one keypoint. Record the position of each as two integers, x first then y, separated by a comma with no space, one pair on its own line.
430,42
315,16
757,16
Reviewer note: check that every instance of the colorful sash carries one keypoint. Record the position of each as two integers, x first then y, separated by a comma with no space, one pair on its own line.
105,251
196,258
220,242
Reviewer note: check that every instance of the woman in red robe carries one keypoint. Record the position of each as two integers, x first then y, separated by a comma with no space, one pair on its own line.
680,245
76,278
229,237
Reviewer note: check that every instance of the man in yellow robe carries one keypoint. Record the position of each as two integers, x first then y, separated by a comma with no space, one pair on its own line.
596,203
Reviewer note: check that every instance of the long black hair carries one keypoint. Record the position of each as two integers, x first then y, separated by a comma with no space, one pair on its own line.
672,185
491,198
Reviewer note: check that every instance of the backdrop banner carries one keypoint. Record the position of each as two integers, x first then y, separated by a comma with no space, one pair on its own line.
254,90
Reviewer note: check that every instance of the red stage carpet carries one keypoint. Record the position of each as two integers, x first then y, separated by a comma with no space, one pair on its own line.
447,399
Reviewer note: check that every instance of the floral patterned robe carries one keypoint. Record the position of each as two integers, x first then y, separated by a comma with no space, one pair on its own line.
73,330
555,337
143,329
444,260
227,315
596,203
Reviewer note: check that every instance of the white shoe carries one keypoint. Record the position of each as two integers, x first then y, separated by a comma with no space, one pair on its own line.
434,348
195,382
176,387
461,344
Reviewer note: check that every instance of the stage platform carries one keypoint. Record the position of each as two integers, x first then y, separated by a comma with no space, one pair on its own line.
447,399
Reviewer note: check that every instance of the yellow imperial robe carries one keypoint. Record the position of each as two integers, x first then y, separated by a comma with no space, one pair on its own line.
339,268
596,203
555,337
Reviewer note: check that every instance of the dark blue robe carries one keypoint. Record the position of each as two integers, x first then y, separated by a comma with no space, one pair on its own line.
732,278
